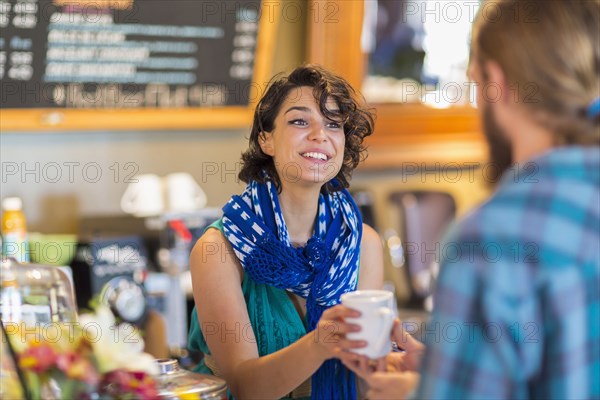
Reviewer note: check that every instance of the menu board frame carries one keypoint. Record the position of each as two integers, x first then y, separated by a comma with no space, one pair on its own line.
189,118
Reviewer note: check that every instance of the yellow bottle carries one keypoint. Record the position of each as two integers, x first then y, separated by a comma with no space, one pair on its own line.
14,230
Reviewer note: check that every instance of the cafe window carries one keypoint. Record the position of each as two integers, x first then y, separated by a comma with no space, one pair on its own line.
418,51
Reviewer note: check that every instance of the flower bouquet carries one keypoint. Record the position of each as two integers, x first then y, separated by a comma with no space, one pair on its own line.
91,358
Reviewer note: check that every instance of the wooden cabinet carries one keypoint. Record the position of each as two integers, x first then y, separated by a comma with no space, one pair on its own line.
404,132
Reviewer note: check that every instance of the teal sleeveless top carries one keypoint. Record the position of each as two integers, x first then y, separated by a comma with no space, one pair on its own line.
274,319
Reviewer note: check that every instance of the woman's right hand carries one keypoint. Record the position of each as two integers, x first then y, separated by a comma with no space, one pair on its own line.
330,332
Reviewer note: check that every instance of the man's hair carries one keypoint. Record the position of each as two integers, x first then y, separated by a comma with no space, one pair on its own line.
549,51
357,122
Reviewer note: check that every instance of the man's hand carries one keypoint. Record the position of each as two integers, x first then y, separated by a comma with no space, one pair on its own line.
391,385
393,376
413,349
387,377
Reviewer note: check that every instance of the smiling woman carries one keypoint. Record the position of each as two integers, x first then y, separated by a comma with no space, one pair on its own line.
303,142
267,318
310,97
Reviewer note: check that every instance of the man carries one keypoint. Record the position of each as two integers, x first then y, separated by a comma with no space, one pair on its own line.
517,307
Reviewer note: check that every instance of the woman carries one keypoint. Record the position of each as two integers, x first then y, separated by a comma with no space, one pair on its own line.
266,276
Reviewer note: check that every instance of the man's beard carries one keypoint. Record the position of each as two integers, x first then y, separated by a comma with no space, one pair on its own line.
500,148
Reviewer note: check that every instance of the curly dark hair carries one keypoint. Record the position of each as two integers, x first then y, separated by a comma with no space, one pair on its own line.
358,122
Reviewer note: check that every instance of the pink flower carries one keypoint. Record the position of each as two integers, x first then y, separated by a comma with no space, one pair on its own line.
38,357
122,382
77,367
145,386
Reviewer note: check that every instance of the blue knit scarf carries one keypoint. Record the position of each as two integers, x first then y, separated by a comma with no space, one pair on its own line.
320,272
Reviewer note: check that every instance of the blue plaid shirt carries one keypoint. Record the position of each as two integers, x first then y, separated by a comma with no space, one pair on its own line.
517,308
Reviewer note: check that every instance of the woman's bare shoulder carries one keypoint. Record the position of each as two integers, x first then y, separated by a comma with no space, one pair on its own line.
371,260
370,237
213,251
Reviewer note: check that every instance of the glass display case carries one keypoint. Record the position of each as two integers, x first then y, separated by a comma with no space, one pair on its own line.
12,384
35,294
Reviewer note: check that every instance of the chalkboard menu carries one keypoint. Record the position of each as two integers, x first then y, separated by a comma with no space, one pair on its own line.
127,54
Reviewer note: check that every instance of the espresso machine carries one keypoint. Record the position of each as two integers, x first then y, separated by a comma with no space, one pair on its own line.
166,241
112,271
